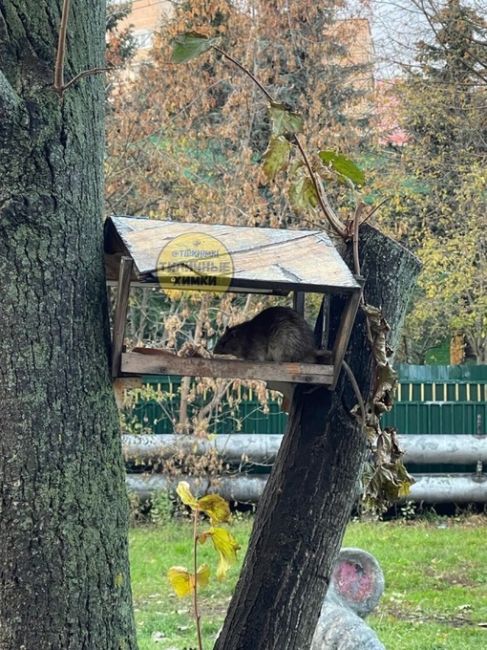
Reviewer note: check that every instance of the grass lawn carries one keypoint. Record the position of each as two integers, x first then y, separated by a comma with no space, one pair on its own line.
435,596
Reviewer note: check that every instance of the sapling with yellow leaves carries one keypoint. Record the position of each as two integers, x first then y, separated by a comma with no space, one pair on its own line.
186,582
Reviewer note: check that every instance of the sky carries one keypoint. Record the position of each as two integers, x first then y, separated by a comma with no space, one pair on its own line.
397,25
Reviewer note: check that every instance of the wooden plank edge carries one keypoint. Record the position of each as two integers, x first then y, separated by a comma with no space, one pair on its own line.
120,317
346,325
147,281
136,363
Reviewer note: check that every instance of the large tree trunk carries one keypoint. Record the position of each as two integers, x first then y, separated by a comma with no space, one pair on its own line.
307,501
64,576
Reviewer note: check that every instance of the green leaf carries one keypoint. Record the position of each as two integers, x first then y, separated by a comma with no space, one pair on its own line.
276,157
284,121
189,45
302,194
344,166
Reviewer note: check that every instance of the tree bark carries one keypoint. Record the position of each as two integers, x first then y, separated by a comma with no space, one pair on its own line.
64,575
307,501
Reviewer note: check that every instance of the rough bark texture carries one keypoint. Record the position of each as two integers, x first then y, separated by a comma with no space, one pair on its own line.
307,501
64,577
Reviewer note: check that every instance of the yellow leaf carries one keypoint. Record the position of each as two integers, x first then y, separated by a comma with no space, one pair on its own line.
215,507
203,575
227,548
180,580
185,495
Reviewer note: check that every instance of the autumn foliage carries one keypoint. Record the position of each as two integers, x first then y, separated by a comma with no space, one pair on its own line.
185,141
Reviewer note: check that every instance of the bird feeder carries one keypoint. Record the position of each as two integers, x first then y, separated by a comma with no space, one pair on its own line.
255,260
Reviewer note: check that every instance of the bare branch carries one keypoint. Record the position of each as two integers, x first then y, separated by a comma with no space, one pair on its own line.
206,410
323,200
356,223
58,84
374,209
356,390
247,72
85,73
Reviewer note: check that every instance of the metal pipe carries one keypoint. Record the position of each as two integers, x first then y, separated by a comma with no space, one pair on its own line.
442,448
261,449
244,489
440,488
232,448
449,488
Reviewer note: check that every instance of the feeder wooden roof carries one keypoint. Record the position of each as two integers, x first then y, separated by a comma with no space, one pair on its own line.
263,258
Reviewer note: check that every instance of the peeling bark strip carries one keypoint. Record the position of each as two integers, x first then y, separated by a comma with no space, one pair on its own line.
306,504
64,578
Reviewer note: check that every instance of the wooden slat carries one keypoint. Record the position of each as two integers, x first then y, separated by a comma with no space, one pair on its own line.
299,301
161,363
120,317
153,283
112,268
346,324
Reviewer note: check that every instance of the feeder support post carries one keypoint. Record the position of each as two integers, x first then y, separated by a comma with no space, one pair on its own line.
120,318
298,301
343,337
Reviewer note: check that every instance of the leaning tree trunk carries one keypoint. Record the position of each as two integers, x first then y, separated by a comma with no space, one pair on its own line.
64,576
307,501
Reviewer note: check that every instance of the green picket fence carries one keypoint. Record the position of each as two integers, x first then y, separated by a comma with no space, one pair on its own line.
440,399
158,416
430,399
